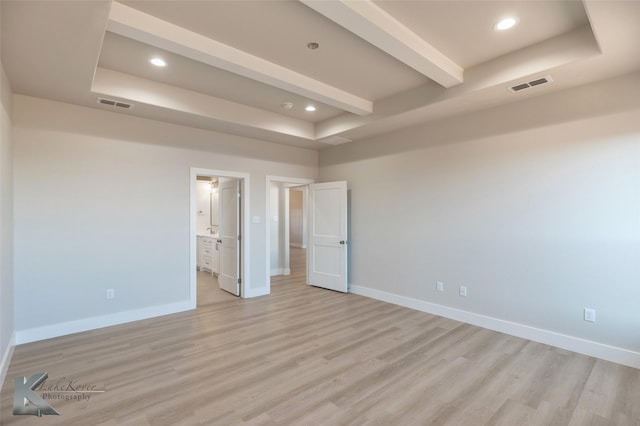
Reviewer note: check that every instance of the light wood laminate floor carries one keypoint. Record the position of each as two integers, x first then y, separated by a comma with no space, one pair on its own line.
305,356
209,292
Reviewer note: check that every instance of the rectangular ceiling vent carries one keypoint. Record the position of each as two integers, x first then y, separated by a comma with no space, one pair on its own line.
114,104
529,84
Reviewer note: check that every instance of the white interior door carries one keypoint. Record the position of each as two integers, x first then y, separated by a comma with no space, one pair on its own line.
327,253
229,236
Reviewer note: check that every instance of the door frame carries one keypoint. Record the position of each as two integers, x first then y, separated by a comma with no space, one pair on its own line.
278,179
244,223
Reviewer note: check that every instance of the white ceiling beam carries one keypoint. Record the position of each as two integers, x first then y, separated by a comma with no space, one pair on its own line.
373,24
111,83
132,23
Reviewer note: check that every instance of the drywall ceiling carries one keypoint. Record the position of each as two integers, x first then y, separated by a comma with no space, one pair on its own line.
232,66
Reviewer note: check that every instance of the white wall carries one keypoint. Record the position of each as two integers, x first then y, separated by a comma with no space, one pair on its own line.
6,228
295,218
534,206
83,199
278,236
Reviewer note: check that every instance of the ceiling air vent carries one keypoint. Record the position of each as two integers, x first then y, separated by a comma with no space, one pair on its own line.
529,84
114,104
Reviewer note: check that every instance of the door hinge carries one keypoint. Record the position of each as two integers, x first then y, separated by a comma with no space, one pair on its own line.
239,237
239,280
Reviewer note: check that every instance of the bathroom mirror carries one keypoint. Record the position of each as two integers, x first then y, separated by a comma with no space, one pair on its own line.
213,211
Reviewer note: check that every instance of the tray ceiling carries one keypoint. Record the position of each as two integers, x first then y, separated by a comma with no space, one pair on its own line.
233,66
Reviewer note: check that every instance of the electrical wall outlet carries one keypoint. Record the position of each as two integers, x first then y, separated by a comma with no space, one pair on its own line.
110,293
439,286
463,291
589,314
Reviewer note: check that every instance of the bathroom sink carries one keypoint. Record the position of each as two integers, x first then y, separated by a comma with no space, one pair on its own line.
208,235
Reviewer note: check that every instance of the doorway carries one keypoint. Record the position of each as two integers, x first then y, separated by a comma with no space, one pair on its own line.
286,229
227,234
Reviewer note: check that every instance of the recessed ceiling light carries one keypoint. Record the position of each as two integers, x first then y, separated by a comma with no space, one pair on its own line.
287,105
506,23
309,108
158,62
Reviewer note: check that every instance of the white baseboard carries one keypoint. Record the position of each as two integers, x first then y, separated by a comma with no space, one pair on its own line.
92,323
6,359
571,343
263,291
280,271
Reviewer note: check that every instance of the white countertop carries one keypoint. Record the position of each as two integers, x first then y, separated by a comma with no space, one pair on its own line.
208,235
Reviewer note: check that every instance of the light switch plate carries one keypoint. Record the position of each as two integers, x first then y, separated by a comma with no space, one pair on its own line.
589,314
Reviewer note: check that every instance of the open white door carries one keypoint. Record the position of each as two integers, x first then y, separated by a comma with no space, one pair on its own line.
229,236
327,253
